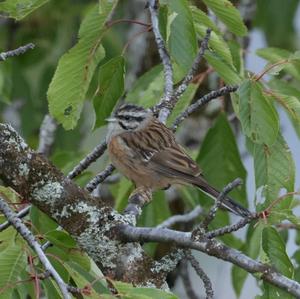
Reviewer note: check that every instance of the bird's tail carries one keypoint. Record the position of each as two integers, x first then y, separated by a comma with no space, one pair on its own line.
228,203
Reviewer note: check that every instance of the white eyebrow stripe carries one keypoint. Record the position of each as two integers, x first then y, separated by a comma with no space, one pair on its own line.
132,113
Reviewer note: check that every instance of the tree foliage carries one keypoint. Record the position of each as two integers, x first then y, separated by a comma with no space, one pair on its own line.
69,70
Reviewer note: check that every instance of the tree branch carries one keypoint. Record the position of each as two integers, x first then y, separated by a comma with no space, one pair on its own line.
212,248
194,69
20,214
28,236
201,102
99,178
188,217
87,219
184,273
96,153
166,61
200,272
46,137
212,213
16,52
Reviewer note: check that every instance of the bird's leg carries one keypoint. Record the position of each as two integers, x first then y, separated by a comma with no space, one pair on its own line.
137,200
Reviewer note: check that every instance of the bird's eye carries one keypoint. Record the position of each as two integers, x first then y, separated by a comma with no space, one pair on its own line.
127,117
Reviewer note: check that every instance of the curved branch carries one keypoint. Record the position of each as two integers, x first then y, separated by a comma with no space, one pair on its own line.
33,243
16,52
211,247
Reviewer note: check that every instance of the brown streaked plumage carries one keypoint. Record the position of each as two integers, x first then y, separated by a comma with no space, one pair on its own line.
146,152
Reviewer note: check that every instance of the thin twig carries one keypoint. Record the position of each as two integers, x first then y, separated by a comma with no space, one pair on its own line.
99,178
212,213
16,52
168,262
88,160
137,200
166,61
137,22
194,69
231,228
200,272
201,102
188,217
46,137
28,236
20,214
184,273
269,68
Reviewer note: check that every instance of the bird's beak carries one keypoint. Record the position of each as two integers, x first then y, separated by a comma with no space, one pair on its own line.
111,119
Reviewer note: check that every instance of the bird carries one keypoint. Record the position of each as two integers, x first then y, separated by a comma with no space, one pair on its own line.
146,151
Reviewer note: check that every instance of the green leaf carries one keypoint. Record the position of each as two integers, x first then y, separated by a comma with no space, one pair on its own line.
82,282
51,289
289,97
61,239
156,211
201,18
148,88
153,214
220,160
251,248
121,193
42,221
111,88
76,68
237,56
276,20
95,278
216,41
275,55
81,258
274,170
182,40
12,263
258,117
18,9
284,87
229,15
274,247
224,70
184,102
129,291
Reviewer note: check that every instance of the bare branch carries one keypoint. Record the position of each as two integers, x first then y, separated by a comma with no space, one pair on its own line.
88,160
16,52
46,137
137,200
211,247
192,215
169,262
201,102
184,273
231,228
200,272
99,178
28,236
212,213
194,69
20,214
166,61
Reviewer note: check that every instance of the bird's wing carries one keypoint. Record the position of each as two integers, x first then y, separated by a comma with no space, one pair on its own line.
158,150
174,162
